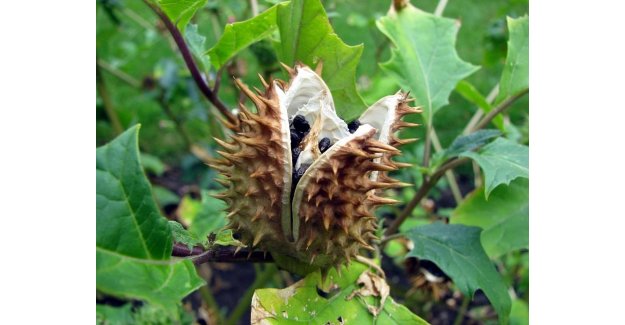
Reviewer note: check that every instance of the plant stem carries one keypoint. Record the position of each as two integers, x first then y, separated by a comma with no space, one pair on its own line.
440,7
427,147
188,59
254,6
480,112
422,192
244,302
222,254
106,101
463,310
209,300
386,239
451,178
500,108
121,75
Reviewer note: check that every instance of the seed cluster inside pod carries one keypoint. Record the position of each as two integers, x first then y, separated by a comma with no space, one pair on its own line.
300,180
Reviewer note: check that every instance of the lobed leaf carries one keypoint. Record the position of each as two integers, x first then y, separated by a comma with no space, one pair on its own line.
180,12
196,43
238,36
133,241
424,59
302,304
515,76
456,249
307,36
502,161
465,143
504,217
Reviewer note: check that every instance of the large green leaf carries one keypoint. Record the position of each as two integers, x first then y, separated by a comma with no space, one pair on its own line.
145,315
133,241
504,218
307,36
515,76
424,58
302,304
128,220
181,11
163,283
502,161
240,35
520,313
466,143
456,249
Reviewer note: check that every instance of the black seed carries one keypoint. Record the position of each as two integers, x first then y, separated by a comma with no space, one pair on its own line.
302,135
324,144
353,126
299,173
295,154
295,138
300,124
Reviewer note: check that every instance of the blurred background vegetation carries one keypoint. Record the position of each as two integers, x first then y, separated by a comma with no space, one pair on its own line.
141,78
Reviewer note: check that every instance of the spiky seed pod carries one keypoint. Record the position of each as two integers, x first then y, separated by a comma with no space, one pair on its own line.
315,207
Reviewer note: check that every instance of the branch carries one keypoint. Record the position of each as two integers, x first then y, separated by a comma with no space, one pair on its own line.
188,59
502,107
221,254
423,191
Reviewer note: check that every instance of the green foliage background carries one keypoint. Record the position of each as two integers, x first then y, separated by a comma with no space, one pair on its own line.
368,54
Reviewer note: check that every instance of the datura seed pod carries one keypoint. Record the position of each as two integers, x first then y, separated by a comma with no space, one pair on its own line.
302,183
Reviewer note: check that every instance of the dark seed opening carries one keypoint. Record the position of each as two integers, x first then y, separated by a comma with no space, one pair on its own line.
353,126
324,144
295,139
300,124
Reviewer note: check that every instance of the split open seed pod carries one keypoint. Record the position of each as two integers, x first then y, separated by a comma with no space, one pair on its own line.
302,183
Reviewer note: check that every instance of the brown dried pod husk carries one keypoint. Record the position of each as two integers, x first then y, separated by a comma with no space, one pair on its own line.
325,218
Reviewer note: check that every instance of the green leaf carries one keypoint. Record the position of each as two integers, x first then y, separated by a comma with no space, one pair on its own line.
504,218
108,315
301,303
152,164
240,35
164,196
470,142
456,249
145,315
307,36
520,313
502,161
203,217
181,11
470,93
183,236
424,58
133,241
128,220
196,44
515,76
